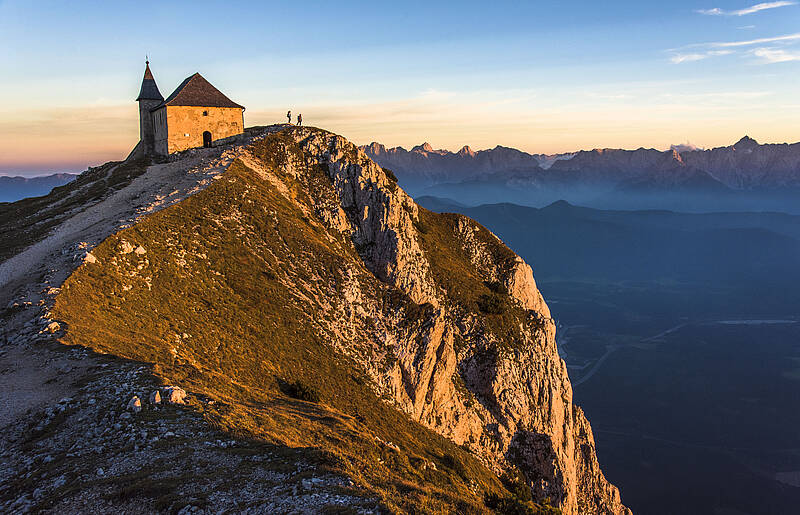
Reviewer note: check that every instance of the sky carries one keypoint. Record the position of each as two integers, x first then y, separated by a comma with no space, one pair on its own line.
544,77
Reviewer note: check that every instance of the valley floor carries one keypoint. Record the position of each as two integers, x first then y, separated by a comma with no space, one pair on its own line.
702,406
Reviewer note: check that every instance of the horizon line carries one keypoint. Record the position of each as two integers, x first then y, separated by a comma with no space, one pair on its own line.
30,171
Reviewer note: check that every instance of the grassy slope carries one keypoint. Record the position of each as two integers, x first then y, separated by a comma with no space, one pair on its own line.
248,332
228,267
27,221
453,271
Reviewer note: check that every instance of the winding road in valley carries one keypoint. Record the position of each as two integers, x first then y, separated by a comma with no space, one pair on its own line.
614,346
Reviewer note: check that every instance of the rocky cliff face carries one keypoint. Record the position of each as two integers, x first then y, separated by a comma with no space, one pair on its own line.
510,402
304,255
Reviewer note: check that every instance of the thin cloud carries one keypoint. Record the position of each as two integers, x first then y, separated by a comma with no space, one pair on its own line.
687,58
751,42
691,57
776,55
685,147
603,96
747,10
717,96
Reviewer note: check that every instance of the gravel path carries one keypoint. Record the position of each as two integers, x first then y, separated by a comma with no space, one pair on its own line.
67,442
30,279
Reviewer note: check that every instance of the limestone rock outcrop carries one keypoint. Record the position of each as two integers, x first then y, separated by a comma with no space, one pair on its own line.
509,402
380,213
135,404
172,395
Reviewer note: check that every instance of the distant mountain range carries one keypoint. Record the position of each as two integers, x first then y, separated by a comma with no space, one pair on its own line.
17,187
756,253
743,176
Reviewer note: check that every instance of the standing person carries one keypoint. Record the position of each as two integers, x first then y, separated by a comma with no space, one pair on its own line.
300,119
289,116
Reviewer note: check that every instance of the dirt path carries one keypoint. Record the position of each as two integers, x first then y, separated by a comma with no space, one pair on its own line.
31,374
162,185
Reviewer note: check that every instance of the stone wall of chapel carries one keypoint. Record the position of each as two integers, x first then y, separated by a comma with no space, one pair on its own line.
185,125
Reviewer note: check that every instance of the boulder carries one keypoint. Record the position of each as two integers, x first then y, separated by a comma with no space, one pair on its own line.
173,394
135,405
140,251
155,397
125,247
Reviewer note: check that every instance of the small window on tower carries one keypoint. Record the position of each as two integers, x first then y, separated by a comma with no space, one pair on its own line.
205,113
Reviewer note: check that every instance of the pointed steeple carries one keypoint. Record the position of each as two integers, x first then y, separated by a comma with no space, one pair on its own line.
149,89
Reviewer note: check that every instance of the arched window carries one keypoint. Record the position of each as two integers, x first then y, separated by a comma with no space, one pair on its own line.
207,139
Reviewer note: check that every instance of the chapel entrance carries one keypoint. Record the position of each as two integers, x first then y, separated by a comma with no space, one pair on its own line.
206,139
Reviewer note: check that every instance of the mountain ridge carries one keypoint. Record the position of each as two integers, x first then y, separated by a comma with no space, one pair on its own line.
758,248
430,312
16,187
743,176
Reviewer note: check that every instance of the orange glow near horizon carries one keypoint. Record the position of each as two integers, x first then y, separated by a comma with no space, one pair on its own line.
70,139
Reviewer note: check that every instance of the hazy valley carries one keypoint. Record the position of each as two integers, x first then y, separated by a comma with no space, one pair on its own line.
680,336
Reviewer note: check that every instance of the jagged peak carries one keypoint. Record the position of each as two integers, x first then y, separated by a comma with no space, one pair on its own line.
425,147
375,148
745,143
466,151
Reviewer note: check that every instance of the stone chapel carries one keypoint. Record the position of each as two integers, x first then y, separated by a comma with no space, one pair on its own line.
195,115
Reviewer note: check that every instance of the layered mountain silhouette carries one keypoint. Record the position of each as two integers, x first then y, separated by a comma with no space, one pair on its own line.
743,176
13,188
579,243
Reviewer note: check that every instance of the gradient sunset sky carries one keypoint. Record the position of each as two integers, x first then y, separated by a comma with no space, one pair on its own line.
542,77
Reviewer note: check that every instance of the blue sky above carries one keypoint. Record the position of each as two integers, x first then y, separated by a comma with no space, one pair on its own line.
537,76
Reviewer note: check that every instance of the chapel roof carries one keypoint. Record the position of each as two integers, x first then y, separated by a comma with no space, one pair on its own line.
197,91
